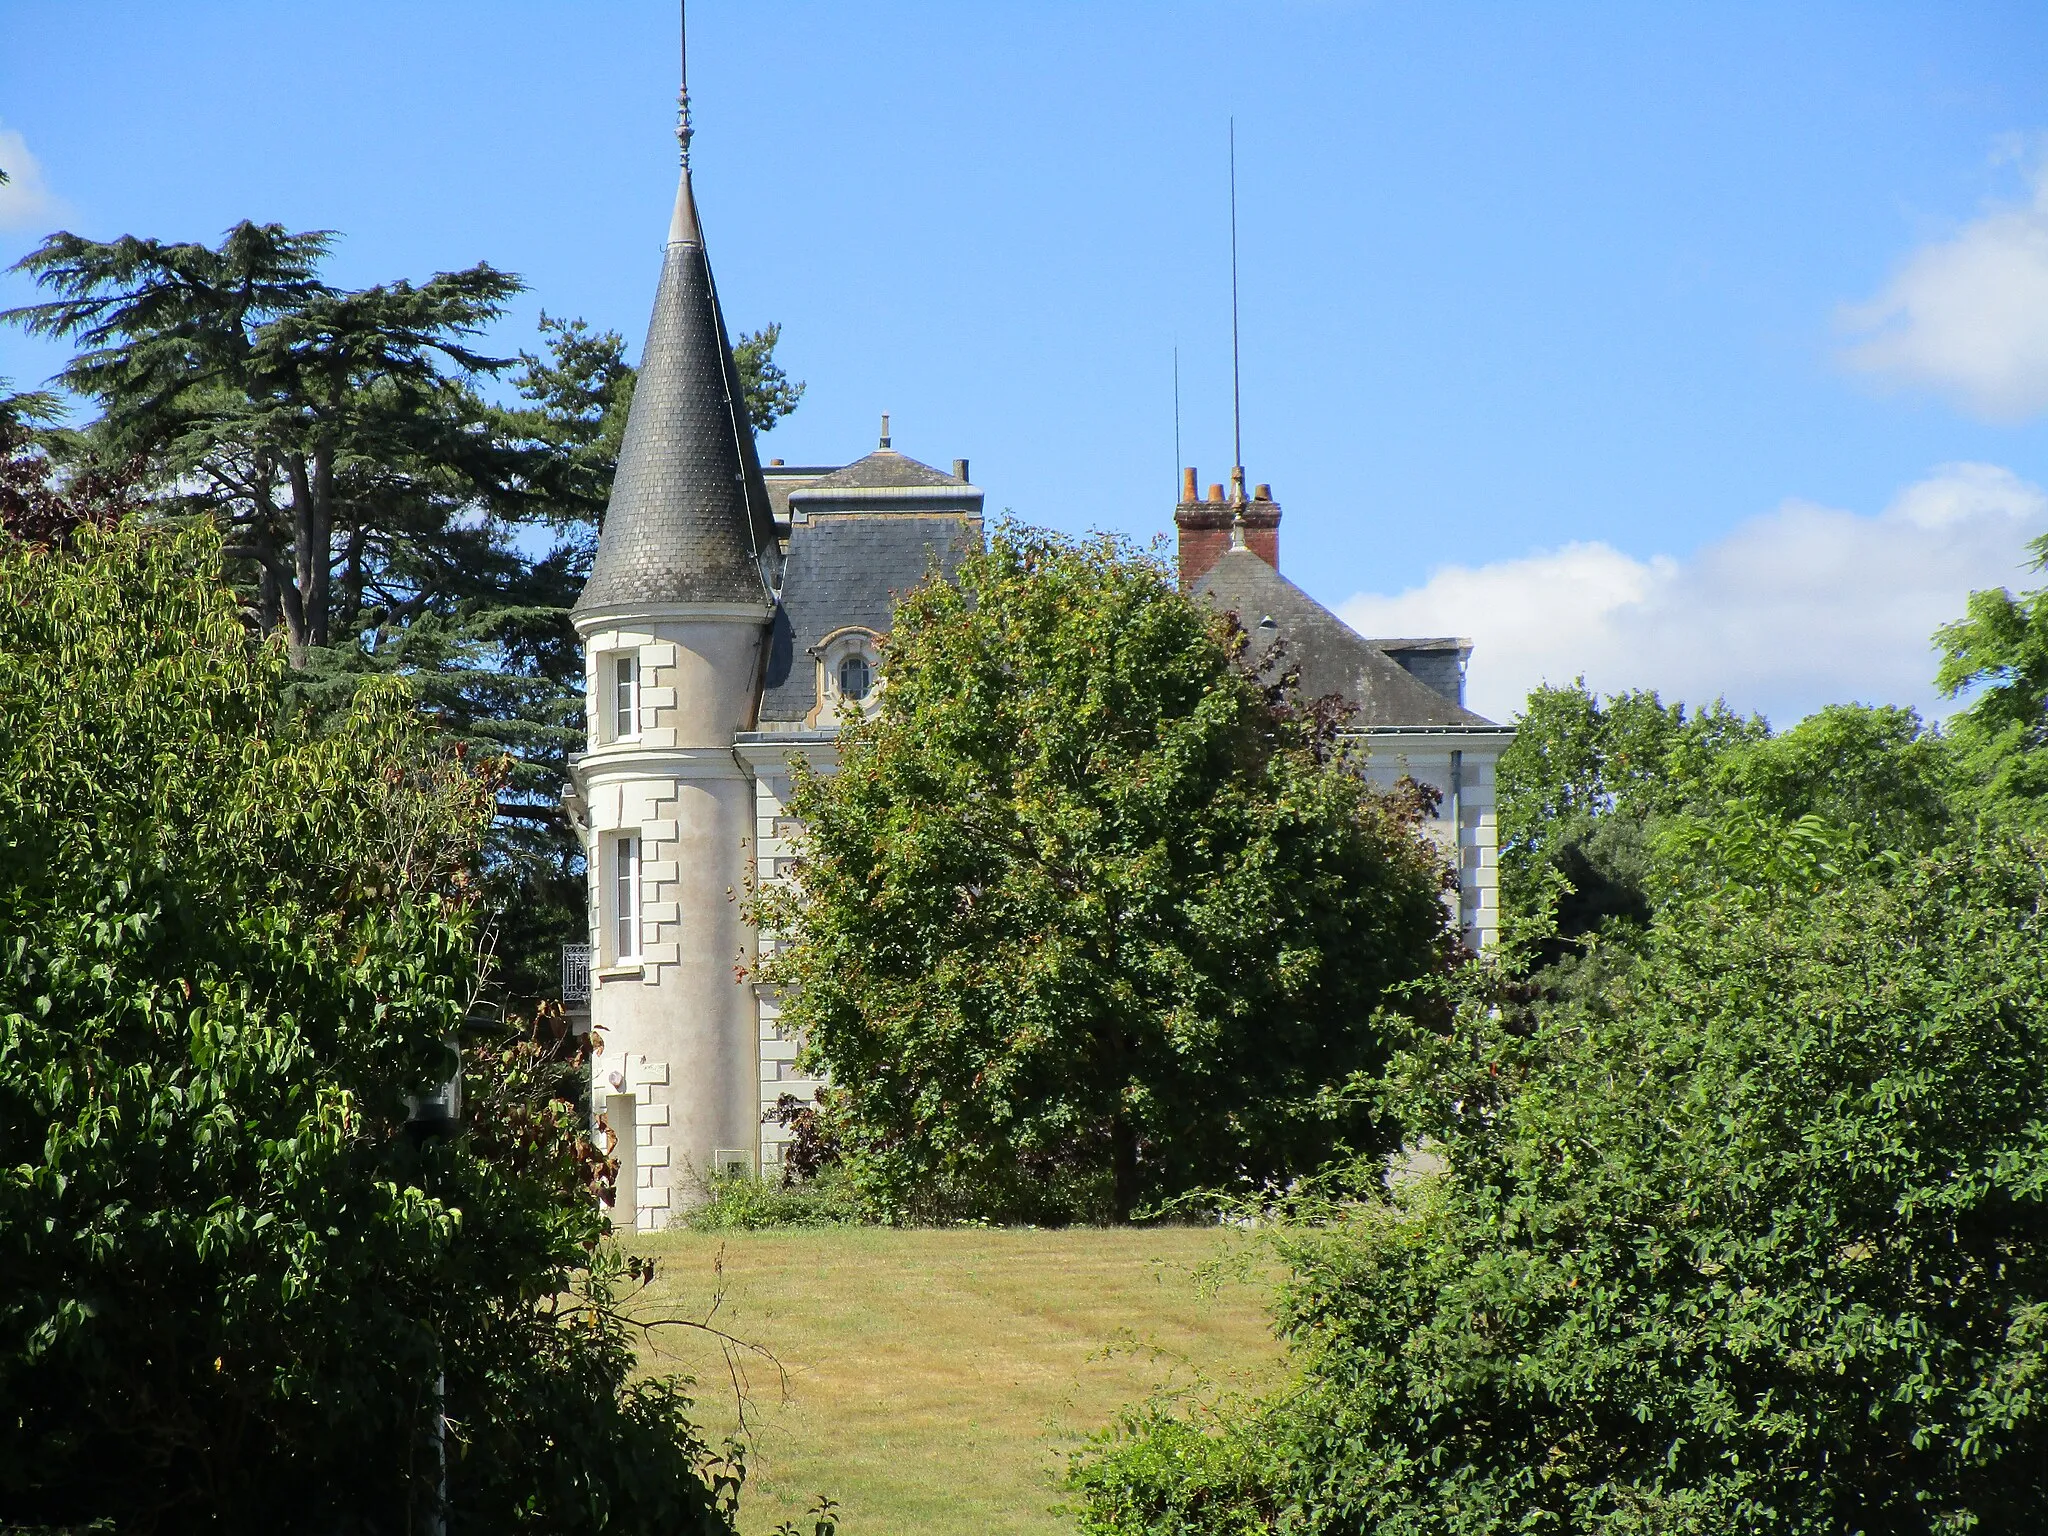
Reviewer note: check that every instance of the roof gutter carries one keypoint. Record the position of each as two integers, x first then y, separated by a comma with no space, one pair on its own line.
808,495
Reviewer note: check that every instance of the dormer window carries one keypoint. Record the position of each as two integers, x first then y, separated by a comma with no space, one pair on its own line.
849,676
625,696
855,678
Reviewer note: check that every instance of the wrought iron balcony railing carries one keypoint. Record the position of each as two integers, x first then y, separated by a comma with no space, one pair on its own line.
576,975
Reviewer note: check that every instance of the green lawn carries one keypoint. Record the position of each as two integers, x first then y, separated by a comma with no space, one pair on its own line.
931,1380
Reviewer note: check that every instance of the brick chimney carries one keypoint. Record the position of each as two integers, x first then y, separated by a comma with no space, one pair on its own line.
1203,524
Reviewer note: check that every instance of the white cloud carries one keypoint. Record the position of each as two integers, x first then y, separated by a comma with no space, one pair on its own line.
1801,607
26,199
1968,316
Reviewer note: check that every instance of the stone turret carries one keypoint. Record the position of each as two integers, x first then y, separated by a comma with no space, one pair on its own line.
673,621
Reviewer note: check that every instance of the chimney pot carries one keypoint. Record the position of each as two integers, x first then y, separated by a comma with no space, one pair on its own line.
959,469
1262,492
885,430
1189,492
1216,494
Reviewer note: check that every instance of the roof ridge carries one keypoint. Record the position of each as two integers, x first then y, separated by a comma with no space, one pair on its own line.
884,468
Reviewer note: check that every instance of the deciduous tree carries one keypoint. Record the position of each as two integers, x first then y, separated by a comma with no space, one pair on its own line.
237,942
1085,919
1592,786
1998,653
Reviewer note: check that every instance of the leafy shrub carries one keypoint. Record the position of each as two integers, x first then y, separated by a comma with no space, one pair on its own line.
742,1201
1753,1237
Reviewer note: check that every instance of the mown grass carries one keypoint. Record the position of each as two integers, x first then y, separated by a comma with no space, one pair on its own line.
931,1381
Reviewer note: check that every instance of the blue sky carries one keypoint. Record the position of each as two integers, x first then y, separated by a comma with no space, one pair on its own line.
1700,347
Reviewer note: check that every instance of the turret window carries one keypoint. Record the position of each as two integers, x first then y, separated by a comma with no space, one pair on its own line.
626,898
855,677
625,696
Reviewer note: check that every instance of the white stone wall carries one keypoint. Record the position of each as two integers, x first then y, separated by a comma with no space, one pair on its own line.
775,841
676,1024
1473,840
646,806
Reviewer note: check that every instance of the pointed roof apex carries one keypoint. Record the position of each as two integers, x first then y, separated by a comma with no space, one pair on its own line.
683,228
690,522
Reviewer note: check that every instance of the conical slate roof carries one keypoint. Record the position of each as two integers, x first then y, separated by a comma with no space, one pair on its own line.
689,520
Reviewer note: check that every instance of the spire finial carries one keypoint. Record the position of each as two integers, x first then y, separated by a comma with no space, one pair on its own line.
885,429
684,132
1237,528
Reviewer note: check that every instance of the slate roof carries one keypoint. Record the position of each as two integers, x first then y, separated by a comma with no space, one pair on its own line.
1330,655
689,520
847,569
781,479
884,468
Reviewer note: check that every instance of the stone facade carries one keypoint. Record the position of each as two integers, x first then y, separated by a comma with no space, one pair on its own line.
668,813
1459,765
768,756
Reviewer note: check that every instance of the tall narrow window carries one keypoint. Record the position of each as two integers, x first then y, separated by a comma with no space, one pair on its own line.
854,677
626,898
625,696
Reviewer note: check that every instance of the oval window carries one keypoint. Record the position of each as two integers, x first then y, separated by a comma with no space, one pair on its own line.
854,677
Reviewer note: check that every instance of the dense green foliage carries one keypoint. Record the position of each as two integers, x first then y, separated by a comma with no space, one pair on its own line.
1591,787
1729,1209
1999,653
1085,919
1753,1236
740,1201
235,940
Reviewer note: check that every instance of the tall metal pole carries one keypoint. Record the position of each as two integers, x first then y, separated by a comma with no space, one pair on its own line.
683,129
1176,421
1236,394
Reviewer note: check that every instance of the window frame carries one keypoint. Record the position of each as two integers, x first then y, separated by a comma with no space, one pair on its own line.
628,925
867,673
627,705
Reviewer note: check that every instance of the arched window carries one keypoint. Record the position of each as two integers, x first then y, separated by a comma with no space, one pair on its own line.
855,678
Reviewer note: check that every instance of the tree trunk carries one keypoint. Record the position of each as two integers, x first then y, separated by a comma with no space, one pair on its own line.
306,627
319,591
351,608
270,609
277,593
1123,1152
